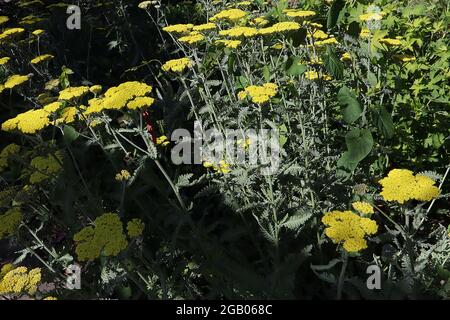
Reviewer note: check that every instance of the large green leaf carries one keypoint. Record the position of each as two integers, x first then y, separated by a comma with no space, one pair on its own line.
70,134
384,122
334,13
294,67
359,144
351,110
333,65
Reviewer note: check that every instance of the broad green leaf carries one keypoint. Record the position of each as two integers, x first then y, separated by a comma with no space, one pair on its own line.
266,74
384,122
70,134
334,13
351,110
294,67
333,65
283,131
359,144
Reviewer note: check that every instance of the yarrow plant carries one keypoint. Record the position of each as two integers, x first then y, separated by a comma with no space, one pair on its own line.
225,149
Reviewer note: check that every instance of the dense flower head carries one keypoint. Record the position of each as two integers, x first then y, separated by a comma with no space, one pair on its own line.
38,32
73,92
349,229
9,222
53,106
42,58
162,141
192,38
402,185
28,122
123,175
346,56
135,227
314,75
45,167
319,35
3,19
220,167
4,60
15,80
131,95
6,196
177,65
239,32
372,16
280,27
105,237
231,44
365,33
299,13
20,280
260,21
363,207
230,14
7,267
259,94
204,27
328,41
391,42
179,28
68,115
8,33
6,153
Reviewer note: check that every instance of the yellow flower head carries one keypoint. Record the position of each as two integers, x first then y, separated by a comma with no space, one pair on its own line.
391,42
314,75
162,141
349,229
15,80
105,237
38,32
3,19
123,175
237,32
259,94
73,92
41,58
402,185
280,27
28,122
9,222
179,28
177,65
45,167
231,44
300,13
372,16
20,280
204,27
135,227
131,95
230,14
192,38
6,153
365,33
4,60
10,33
363,207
